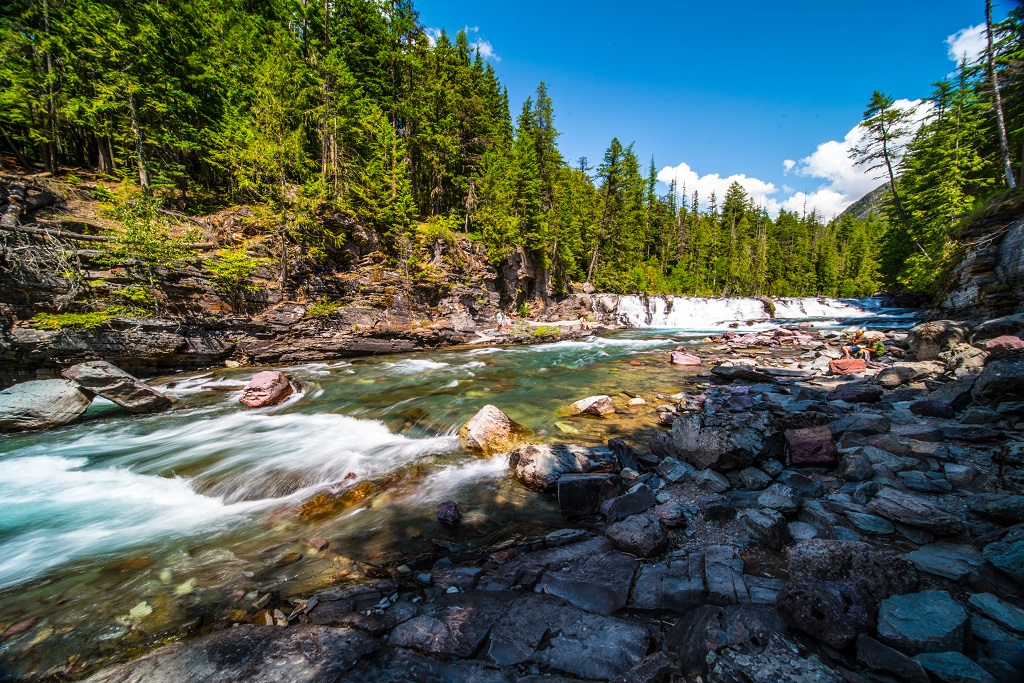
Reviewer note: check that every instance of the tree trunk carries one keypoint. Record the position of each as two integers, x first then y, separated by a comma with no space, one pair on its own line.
139,156
50,146
283,280
106,162
17,152
10,215
1004,147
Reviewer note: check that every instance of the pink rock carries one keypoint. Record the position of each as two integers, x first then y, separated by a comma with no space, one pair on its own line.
680,358
811,445
805,325
846,366
267,388
783,332
1004,343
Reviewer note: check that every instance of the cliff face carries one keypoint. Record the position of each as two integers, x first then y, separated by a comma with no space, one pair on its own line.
989,281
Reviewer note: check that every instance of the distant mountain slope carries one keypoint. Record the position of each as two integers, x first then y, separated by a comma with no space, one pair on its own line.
868,204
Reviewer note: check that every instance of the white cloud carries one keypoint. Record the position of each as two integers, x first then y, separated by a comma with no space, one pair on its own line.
844,181
484,46
970,41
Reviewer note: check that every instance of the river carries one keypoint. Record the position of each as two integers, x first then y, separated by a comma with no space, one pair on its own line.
123,529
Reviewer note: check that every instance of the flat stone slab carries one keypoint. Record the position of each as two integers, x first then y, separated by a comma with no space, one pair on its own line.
597,583
953,667
930,621
455,625
915,510
114,384
544,630
1010,616
254,654
951,560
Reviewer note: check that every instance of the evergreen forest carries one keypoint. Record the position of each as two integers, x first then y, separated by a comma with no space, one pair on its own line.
338,116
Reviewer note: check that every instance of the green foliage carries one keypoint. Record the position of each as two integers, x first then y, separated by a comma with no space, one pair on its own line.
80,321
546,331
233,268
136,298
322,308
144,237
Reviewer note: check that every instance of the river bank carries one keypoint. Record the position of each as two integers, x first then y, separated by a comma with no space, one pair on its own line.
372,582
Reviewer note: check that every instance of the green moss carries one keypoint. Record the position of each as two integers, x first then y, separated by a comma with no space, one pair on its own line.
544,331
79,321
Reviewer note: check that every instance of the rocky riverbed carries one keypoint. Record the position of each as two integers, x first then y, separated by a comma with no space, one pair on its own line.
791,518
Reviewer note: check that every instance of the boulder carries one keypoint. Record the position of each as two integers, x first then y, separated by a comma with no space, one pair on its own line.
702,631
779,497
675,471
1000,611
114,384
1002,507
835,612
711,480
928,408
491,431
641,535
1007,325
641,499
681,358
751,373
916,511
540,466
880,574
896,376
448,513
1004,343
255,654
595,405
811,445
1007,556
583,494
861,423
772,661
930,621
847,366
966,361
267,388
724,440
42,404
767,526
1002,380
754,479
856,392
855,466
928,340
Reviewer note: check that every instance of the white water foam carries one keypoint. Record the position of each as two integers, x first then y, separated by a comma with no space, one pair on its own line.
708,314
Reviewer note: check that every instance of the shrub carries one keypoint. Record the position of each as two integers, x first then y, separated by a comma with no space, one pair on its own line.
322,308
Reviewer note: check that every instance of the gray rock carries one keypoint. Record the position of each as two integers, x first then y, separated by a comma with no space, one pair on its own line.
403,666
1008,557
598,582
455,625
856,392
914,510
448,513
1010,616
925,482
711,480
802,531
583,494
754,479
896,376
874,655
716,508
701,632
971,433
776,661
979,415
1001,380
928,340
803,485
855,466
255,654
772,467
723,575
958,475
966,361
834,612
674,471
1008,509
880,574
640,535
118,386
953,667
672,515
724,440
930,621
870,524
767,526
540,466
896,463
929,408
42,404
950,560
544,630
640,500
861,423
779,497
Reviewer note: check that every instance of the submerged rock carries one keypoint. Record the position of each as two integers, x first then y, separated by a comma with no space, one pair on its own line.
491,431
42,404
595,405
114,384
448,513
267,388
681,358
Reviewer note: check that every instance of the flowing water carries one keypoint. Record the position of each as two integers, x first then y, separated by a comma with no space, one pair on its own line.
122,529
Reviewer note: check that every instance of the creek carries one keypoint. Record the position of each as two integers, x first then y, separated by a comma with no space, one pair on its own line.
121,530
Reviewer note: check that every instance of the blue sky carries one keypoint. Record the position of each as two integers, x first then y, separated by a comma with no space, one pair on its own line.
720,89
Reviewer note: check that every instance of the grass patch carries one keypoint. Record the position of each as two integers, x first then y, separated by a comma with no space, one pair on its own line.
545,330
81,321
322,308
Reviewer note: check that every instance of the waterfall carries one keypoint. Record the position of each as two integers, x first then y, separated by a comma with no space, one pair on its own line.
707,313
